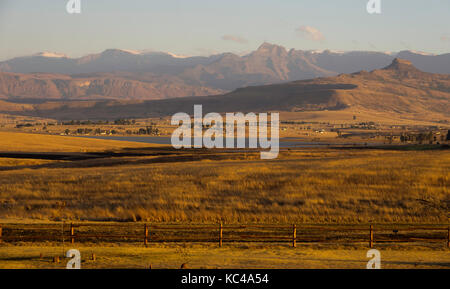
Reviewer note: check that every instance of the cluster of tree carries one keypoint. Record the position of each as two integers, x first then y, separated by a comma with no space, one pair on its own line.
29,124
84,122
21,125
149,130
294,122
365,125
124,122
90,122
424,137
84,131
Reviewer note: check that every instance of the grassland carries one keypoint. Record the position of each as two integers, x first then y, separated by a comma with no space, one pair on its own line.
302,185
120,181
14,162
256,256
27,142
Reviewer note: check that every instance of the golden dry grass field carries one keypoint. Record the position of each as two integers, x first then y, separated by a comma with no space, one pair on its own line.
27,142
204,256
120,181
161,185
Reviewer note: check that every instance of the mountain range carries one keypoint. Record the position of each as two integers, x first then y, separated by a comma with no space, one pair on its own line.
124,74
397,90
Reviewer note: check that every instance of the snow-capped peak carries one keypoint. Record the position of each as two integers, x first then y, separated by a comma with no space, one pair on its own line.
177,56
143,52
421,53
135,52
318,51
51,55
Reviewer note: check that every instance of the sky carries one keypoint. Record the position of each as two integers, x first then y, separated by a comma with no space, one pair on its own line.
204,27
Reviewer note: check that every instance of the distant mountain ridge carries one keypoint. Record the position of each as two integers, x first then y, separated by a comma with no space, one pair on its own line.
399,90
159,75
41,86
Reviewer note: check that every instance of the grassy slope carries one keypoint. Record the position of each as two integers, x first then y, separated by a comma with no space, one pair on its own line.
363,115
23,142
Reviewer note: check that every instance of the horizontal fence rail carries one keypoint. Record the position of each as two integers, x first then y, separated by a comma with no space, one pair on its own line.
292,234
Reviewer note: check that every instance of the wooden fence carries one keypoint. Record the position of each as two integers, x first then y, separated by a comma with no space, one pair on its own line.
292,234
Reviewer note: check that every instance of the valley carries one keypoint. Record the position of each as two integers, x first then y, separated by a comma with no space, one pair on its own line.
356,148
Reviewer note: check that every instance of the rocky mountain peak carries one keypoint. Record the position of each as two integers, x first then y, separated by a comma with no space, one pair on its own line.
270,49
399,64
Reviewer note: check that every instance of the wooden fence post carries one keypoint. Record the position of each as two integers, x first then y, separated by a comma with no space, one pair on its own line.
371,237
448,236
0,233
294,236
220,235
72,233
145,235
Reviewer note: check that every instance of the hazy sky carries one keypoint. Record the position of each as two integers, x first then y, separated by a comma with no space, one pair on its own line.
200,27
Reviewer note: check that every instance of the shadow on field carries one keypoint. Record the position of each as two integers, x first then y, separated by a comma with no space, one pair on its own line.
126,157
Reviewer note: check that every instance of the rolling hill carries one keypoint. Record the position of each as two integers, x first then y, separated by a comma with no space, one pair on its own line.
399,89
